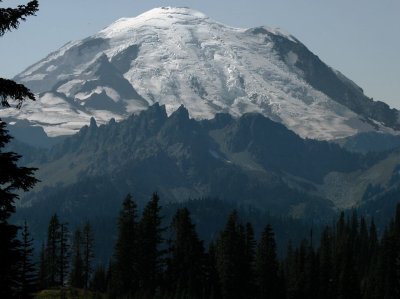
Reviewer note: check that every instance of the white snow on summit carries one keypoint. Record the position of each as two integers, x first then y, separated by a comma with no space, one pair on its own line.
180,56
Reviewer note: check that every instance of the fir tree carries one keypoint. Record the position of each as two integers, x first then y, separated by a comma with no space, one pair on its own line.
27,278
150,255
124,268
232,262
52,252
185,273
12,176
267,266
250,246
42,273
88,253
64,253
76,275
12,179
10,18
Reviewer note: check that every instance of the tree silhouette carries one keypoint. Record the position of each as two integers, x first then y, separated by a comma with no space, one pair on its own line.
27,278
185,272
76,274
88,252
267,266
52,252
124,274
10,18
12,177
150,255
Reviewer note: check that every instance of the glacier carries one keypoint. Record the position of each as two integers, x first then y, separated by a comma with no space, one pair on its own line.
179,56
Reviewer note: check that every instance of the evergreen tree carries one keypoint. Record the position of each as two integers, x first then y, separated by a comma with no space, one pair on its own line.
251,244
64,253
124,267
10,18
12,176
267,266
185,273
326,268
88,253
53,252
42,273
232,262
12,179
27,278
150,261
76,276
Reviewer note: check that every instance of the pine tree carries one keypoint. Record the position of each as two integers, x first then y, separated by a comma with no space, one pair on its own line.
52,252
232,262
124,267
42,273
12,176
267,266
64,253
76,275
88,253
27,278
150,255
185,273
250,246
326,277
12,179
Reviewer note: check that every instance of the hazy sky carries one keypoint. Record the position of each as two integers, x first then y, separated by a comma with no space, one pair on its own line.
360,38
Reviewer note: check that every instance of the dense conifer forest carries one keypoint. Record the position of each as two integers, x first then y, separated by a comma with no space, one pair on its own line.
351,260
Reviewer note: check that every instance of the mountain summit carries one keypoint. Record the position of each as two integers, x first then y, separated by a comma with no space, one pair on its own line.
178,56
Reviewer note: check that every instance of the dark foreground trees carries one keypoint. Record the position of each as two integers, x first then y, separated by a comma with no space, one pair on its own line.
151,261
350,262
13,177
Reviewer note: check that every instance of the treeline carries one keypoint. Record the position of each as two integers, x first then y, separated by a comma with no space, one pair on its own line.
150,261
153,261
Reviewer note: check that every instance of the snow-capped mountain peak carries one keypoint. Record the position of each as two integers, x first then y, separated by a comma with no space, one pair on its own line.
178,56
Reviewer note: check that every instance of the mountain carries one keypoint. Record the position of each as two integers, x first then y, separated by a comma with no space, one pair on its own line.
178,56
249,160
251,163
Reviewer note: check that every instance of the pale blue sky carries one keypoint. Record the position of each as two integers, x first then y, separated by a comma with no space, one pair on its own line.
360,38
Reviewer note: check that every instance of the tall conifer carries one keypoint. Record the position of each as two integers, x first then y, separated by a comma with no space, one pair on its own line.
64,253
76,275
88,253
150,260
124,267
28,271
53,252
185,273
267,266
